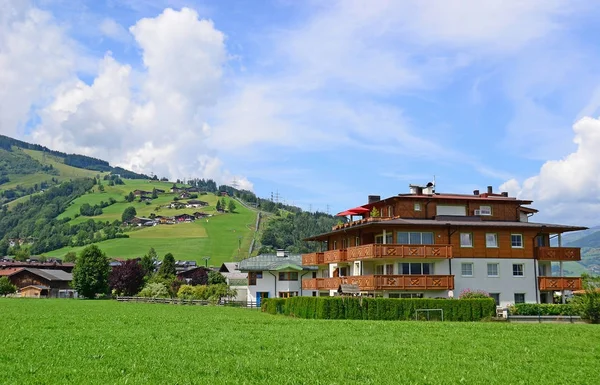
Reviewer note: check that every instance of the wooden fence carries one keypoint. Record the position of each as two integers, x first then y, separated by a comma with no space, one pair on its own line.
197,302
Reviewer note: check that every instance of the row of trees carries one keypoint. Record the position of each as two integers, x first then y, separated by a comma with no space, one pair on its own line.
92,276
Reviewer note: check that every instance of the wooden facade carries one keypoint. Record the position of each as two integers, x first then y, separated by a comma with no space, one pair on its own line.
413,236
383,282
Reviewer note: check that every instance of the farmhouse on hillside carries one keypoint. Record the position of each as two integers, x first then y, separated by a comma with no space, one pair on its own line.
236,279
429,244
193,203
276,275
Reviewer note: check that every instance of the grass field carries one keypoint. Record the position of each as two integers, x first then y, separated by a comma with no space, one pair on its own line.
105,342
217,238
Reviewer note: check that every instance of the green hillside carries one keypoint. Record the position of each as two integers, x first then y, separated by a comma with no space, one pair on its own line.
217,237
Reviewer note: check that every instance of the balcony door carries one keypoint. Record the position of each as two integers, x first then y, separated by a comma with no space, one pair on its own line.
541,241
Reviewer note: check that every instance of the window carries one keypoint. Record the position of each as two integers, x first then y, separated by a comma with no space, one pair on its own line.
343,271
492,269
288,294
406,295
415,268
466,269
516,240
496,297
384,269
389,269
389,238
518,270
415,238
491,240
253,276
519,297
485,210
288,276
390,211
466,240
334,245
451,210
325,274
417,207
357,241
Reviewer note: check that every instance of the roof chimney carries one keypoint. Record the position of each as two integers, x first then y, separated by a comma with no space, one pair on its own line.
374,198
280,253
475,192
504,194
490,190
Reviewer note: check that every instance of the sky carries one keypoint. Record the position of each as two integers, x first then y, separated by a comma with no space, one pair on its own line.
321,103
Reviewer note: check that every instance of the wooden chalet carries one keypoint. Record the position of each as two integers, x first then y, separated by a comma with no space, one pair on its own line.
428,244
45,282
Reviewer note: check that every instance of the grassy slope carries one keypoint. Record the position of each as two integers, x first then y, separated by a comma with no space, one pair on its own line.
65,171
217,238
105,342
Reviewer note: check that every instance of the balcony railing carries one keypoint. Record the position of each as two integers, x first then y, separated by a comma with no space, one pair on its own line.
559,283
398,251
558,253
333,256
312,259
383,282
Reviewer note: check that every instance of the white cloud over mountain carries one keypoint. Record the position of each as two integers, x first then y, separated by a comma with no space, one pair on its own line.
152,120
568,188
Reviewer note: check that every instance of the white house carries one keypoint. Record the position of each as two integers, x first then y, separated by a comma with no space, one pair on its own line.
276,275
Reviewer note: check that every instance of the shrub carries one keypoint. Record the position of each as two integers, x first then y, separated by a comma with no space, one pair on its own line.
379,308
543,309
6,287
588,305
468,294
154,290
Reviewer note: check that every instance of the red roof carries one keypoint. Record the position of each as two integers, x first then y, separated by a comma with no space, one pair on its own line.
10,271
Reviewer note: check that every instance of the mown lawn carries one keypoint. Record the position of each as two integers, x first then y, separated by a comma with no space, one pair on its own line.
105,342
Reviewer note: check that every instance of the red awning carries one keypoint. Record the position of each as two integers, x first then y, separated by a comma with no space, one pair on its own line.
355,211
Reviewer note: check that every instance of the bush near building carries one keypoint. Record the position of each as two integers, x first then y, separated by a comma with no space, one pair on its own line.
379,308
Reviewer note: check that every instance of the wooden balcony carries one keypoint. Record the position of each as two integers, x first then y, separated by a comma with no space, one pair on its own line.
312,259
558,253
372,251
333,256
559,283
383,282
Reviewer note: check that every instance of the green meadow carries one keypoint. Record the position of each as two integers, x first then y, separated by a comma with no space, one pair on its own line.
217,237
106,342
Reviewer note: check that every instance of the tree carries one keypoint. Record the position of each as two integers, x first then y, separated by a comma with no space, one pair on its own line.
154,194
149,262
588,304
128,214
231,206
218,206
130,197
127,279
215,278
6,287
90,275
167,267
70,257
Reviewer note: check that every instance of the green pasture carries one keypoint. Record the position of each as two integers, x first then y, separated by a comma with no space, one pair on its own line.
216,237
106,342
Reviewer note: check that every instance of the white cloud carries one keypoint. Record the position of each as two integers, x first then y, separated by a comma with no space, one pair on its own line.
35,56
569,188
153,120
110,28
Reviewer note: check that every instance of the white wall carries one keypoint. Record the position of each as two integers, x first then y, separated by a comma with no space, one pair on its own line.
505,283
270,283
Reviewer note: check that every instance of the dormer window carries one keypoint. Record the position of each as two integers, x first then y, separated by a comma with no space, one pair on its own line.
417,207
484,210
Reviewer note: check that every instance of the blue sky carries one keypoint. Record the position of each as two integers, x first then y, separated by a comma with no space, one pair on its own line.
324,102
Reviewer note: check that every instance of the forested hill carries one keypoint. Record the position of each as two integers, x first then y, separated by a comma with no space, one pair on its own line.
74,160
287,232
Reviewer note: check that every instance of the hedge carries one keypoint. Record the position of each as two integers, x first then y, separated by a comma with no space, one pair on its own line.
543,309
379,308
